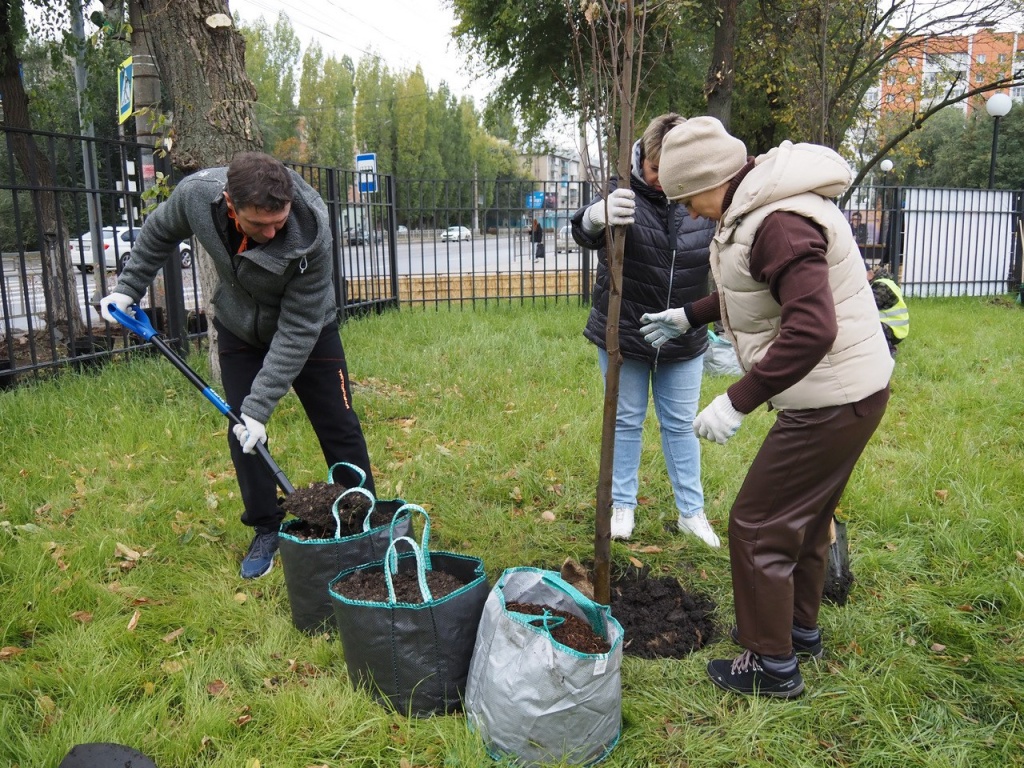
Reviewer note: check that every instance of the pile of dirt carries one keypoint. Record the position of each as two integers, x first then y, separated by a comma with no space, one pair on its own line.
313,506
573,632
661,619
369,585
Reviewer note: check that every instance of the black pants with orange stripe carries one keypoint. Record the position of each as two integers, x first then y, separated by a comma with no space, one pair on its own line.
779,523
323,389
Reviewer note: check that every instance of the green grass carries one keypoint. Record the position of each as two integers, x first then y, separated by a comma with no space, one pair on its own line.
491,419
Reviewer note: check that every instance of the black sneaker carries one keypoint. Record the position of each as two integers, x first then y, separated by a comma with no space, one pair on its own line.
754,675
806,642
260,558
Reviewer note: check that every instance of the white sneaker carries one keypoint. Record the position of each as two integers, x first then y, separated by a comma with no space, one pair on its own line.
699,526
622,522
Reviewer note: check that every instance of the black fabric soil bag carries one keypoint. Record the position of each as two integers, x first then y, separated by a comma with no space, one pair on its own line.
838,576
414,657
310,564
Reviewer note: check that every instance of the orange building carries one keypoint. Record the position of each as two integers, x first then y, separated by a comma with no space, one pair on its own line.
931,67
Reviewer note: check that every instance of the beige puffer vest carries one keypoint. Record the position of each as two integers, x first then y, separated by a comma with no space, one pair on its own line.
858,364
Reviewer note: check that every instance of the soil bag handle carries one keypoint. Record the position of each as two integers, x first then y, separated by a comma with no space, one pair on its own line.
547,621
357,470
337,517
424,539
138,323
592,610
391,561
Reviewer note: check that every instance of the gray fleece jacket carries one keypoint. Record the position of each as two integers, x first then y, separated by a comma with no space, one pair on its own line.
277,295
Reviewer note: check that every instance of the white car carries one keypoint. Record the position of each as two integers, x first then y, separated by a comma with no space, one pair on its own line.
564,241
456,233
117,249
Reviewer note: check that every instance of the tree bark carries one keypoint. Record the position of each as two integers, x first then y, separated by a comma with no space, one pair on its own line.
59,287
719,84
201,59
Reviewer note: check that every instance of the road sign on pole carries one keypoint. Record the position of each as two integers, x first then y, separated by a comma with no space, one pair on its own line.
125,98
366,167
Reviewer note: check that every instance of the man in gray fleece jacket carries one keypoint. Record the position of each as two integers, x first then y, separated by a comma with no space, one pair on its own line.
269,236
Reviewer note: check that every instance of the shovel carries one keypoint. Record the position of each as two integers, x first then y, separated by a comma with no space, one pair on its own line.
838,576
141,326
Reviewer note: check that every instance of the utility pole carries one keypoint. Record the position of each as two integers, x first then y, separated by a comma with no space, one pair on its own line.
88,131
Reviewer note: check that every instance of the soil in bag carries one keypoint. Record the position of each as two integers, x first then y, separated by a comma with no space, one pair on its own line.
370,586
313,505
573,633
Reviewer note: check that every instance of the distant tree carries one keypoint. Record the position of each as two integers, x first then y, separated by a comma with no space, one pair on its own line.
376,127
326,93
272,61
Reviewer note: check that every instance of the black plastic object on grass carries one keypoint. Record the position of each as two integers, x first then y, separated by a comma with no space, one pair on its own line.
105,755
139,324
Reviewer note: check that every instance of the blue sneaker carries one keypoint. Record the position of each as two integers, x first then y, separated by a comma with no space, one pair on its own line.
260,558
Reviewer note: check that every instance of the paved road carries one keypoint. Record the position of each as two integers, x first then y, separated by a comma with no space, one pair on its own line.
416,255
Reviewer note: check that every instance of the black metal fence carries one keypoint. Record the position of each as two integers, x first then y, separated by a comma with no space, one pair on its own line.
70,208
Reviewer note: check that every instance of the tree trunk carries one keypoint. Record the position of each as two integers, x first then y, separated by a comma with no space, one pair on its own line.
59,288
719,84
201,58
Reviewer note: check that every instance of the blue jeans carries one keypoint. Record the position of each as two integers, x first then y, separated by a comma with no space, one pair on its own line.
676,388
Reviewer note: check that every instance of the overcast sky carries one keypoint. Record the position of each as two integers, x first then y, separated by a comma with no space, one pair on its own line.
403,33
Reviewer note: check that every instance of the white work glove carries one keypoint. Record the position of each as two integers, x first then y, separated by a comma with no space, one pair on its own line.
621,210
250,433
120,301
662,326
719,421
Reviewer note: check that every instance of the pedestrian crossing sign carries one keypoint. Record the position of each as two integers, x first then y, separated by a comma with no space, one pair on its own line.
125,99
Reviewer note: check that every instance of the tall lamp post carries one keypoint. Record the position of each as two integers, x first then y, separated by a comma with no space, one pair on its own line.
998,106
886,223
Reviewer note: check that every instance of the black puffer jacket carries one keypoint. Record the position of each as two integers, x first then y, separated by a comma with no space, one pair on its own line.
665,266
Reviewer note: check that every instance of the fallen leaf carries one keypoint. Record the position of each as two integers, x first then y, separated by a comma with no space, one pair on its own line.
516,494
216,688
966,608
548,515
942,494
938,647
149,688
403,763
254,763
243,720
122,550
241,597
172,636
636,562
83,616
651,549
911,641
170,667
134,621
46,704
1020,557
9,651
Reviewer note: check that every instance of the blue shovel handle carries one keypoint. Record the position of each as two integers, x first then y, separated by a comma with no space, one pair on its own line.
140,325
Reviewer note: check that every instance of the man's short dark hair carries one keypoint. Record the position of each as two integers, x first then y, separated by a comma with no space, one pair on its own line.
256,180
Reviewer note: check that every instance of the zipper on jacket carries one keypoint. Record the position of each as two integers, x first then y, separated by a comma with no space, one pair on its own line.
671,273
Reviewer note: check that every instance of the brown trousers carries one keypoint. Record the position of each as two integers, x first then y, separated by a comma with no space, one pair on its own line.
779,524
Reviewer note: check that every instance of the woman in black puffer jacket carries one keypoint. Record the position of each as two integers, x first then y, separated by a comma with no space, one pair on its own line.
665,266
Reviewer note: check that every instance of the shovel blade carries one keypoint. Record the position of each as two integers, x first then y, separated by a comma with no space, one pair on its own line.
838,577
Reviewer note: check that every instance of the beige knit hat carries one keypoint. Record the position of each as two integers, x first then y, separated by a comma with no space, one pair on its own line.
698,155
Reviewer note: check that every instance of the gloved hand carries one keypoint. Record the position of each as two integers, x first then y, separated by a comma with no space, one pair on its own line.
719,421
662,326
621,210
119,300
250,433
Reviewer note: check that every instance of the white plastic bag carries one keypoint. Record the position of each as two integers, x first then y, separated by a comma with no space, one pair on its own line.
533,698
720,357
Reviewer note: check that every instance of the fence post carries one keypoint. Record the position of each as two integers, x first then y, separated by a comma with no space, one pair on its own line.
391,196
1017,265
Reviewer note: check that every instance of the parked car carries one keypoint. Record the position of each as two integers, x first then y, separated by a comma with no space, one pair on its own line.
456,233
402,230
564,241
117,249
360,236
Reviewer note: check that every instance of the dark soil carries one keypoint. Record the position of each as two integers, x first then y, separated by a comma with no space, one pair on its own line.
659,617
573,633
313,506
370,586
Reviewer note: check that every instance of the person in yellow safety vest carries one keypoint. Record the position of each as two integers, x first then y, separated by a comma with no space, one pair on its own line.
892,311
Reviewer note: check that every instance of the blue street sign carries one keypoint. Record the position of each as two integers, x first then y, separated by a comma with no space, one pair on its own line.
366,167
125,99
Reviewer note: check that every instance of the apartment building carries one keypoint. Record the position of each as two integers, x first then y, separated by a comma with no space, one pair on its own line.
931,67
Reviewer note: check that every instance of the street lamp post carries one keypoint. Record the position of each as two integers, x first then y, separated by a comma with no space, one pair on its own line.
998,106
